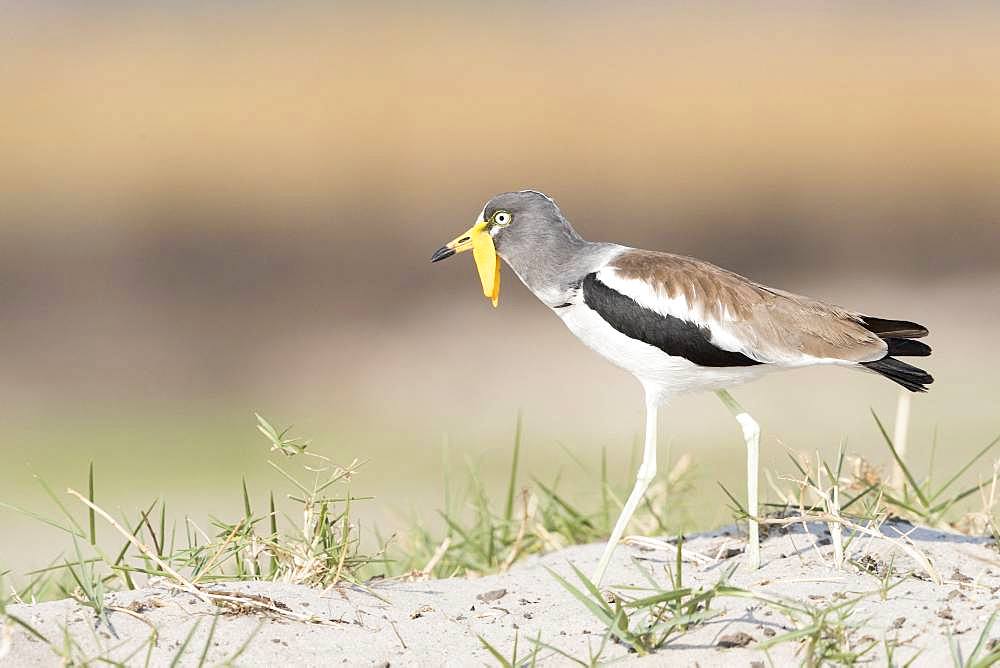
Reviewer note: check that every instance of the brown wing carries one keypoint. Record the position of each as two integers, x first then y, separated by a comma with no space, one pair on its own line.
765,324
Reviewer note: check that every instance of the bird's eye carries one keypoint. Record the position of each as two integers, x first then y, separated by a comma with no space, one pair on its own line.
502,218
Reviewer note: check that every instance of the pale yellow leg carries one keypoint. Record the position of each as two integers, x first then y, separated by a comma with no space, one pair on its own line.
647,470
751,435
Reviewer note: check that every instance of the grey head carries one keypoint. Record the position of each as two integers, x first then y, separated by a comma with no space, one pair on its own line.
534,238
531,234
524,221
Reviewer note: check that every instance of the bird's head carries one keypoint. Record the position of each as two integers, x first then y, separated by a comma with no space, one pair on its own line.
510,225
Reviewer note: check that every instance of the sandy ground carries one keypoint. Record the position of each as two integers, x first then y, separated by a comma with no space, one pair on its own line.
437,622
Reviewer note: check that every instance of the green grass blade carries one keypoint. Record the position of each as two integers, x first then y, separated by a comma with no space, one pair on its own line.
922,512
58,567
456,528
508,513
787,637
134,531
737,506
273,516
44,520
591,587
562,503
967,466
65,511
91,515
662,597
563,653
86,584
953,500
184,645
805,474
501,659
678,581
152,532
208,641
899,460
231,660
956,652
860,495
598,608
841,453
983,637
163,530
246,501
27,627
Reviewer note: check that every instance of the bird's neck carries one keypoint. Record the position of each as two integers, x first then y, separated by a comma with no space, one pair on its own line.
552,271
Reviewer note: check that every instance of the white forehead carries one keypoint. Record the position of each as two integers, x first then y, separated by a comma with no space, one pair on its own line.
512,199
539,193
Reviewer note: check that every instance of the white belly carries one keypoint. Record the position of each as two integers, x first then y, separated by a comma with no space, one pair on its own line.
661,374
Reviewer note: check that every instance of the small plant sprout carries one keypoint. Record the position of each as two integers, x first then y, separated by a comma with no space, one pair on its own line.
828,633
646,623
280,441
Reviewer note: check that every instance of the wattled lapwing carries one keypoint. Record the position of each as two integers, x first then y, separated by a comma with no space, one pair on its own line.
676,323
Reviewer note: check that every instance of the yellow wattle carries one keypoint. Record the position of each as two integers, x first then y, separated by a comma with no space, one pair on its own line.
488,265
496,282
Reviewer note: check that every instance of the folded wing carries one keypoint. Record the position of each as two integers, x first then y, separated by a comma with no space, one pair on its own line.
717,318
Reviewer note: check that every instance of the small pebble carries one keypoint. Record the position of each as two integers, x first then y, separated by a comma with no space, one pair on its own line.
738,639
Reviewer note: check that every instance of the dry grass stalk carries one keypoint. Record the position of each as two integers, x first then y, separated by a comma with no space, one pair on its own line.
903,543
181,581
529,504
687,553
829,500
426,572
220,551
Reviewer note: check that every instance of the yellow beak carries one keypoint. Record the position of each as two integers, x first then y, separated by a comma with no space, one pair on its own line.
483,251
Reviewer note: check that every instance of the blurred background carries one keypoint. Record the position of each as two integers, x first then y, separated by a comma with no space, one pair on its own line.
212,208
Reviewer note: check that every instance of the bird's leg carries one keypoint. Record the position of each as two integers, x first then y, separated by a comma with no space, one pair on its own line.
751,434
642,479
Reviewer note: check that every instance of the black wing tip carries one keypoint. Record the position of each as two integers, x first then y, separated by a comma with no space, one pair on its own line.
899,347
912,378
884,328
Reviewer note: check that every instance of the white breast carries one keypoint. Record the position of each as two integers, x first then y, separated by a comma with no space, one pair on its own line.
661,374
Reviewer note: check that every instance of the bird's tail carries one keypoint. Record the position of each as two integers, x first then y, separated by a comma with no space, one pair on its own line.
899,335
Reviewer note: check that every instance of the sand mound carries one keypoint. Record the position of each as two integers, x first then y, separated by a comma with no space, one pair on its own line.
438,622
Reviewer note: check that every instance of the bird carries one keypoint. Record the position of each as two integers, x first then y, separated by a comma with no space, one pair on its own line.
678,324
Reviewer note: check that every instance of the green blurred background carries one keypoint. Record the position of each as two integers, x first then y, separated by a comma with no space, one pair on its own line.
212,208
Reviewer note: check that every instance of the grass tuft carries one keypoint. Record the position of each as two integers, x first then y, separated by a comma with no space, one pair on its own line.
321,549
648,622
534,519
